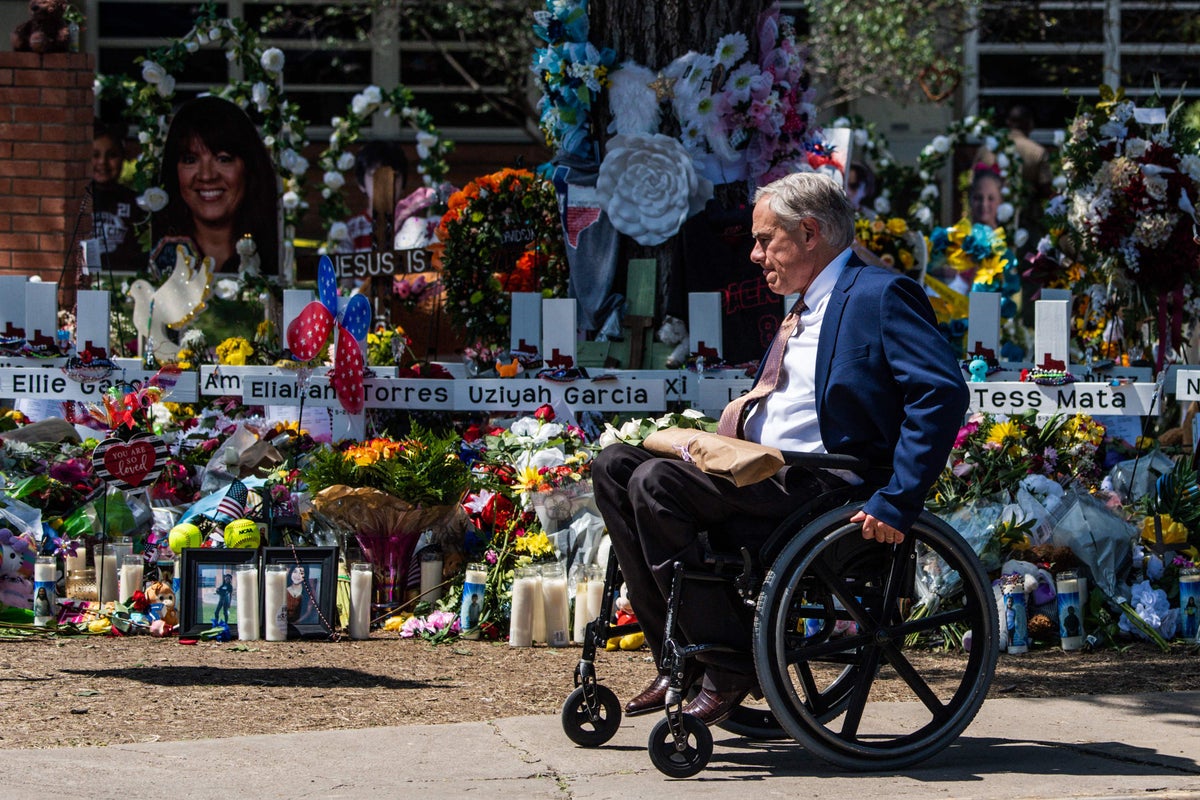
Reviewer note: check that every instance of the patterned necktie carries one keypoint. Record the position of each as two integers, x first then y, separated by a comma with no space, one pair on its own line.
734,416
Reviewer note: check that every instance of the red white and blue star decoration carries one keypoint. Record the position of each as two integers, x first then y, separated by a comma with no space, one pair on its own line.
307,334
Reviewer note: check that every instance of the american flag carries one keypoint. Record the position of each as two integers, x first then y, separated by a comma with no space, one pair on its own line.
233,504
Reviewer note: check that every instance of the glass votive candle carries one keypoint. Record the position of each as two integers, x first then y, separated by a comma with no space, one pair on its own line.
275,603
105,556
361,577
130,580
246,585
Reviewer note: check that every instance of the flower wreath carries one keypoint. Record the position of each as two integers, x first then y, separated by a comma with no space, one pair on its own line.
335,159
513,207
148,103
933,159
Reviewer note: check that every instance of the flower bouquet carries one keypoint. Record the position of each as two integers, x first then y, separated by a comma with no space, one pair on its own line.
1132,177
388,493
976,258
893,243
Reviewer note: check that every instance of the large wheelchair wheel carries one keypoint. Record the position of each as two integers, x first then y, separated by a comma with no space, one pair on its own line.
819,683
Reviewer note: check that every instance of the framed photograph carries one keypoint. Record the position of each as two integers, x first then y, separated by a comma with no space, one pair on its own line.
207,589
310,599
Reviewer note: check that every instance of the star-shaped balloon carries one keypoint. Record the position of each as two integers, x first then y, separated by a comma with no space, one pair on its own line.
307,334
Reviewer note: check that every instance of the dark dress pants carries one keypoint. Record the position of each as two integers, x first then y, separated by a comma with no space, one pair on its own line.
654,509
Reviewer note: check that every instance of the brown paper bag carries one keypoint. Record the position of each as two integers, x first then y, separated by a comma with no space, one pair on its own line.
737,460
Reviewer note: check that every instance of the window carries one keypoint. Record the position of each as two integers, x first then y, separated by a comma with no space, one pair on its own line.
1029,52
331,55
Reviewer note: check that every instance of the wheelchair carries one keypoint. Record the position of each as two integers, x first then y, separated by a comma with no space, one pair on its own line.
833,615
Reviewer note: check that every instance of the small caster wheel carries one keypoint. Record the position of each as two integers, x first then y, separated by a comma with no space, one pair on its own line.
581,727
685,761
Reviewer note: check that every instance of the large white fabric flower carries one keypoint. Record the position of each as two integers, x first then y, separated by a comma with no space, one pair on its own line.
345,161
166,86
649,186
227,289
272,60
338,232
291,200
941,144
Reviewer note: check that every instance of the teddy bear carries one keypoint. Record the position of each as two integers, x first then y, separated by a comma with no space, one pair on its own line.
160,594
674,331
17,555
46,30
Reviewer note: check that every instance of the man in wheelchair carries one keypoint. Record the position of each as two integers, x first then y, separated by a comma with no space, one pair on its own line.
858,367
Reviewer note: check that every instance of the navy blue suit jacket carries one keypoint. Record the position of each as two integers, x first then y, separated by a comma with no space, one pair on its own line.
888,386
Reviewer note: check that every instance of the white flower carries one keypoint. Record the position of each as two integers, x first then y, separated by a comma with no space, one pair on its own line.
293,162
359,105
860,137
227,289
1190,164
940,144
1059,183
144,137
345,161
152,72
192,46
882,205
1060,136
153,199
929,192
290,200
166,86
924,216
1002,161
260,93
991,143
426,141
338,232
373,94
334,179
649,186
1004,212
272,60
731,48
546,432
1020,237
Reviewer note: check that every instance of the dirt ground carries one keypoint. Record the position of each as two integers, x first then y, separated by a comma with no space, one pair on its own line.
95,691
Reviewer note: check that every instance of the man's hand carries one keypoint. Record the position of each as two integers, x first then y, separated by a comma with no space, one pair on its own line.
877,529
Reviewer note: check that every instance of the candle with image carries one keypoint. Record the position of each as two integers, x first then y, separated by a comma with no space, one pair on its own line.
1070,610
45,591
1189,603
471,609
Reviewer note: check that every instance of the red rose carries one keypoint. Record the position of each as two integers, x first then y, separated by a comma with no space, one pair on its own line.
544,413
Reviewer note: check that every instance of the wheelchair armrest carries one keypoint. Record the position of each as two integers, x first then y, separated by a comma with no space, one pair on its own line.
828,461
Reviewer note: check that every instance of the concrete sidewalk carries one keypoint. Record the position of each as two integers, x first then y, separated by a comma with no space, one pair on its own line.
1080,747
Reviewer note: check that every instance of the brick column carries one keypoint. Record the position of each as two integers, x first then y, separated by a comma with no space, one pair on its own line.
45,159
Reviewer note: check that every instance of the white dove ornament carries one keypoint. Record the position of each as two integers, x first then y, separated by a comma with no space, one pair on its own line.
173,305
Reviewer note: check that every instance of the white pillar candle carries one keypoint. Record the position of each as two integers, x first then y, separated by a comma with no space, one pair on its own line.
526,594
581,607
1070,610
360,600
122,546
246,585
106,572
554,593
45,590
595,591
132,571
431,575
75,562
474,590
538,631
275,606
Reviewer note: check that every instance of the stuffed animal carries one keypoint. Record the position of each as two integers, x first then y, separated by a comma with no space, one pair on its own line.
46,30
674,331
17,556
625,616
159,594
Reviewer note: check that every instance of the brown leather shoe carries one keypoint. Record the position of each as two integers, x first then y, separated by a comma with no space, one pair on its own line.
654,696
713,707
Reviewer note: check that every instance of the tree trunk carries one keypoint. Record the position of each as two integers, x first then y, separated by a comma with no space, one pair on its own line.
654,34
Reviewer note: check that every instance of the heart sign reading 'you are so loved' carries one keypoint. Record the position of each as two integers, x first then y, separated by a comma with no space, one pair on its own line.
130,464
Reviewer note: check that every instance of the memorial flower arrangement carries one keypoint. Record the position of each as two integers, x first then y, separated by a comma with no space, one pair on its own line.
993,453
571,73
1132,178
386,347
501,234
891,240
980,256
